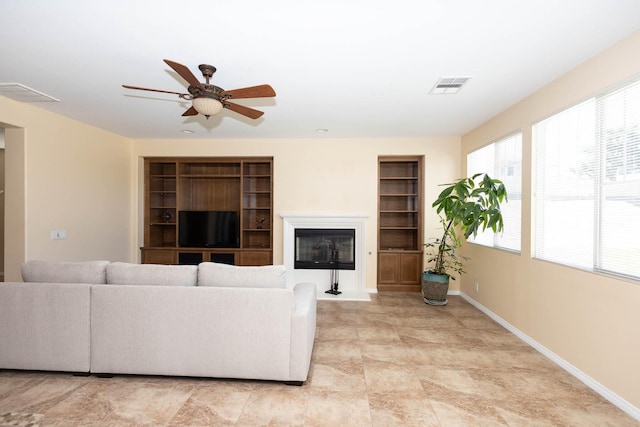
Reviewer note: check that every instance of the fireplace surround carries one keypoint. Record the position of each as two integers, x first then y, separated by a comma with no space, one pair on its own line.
352,282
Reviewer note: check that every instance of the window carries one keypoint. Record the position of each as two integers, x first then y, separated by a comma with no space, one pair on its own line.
502,160
587,184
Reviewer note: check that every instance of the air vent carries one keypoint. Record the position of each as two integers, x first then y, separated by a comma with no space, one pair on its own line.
449,85
23,93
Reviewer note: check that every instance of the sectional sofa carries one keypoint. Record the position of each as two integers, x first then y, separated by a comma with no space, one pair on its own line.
210,320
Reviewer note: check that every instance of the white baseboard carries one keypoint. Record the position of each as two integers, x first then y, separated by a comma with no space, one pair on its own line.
586,379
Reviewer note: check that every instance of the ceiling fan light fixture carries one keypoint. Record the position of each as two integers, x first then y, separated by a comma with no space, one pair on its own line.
207,106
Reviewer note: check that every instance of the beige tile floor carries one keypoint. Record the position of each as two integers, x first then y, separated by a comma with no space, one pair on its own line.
391,362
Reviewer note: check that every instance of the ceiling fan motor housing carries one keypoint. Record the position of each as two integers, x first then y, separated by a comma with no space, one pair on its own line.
211,91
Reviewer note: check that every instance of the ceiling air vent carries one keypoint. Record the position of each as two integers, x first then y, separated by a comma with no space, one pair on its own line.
23,93
449,85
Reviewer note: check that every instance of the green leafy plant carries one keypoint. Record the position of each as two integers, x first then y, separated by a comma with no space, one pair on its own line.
470,205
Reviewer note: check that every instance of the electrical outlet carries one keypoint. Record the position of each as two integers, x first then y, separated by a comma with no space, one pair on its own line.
477,287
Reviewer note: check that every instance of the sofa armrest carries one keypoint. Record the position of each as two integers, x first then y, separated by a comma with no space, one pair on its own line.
303,330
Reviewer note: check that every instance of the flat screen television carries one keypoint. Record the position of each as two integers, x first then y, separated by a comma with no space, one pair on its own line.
208,229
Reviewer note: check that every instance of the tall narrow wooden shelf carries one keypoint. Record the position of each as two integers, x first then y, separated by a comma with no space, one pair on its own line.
243,185
400,189
161,214
256,205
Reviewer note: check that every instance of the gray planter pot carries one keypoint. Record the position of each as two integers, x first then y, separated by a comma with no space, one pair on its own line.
435,288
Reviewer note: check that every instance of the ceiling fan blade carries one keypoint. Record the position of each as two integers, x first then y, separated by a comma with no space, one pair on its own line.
245,111
190,112
185,73
153,90
262,91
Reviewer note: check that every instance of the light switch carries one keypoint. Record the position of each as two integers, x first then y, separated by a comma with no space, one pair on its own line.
58,234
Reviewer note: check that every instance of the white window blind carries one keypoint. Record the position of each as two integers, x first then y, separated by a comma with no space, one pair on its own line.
587,184
502,160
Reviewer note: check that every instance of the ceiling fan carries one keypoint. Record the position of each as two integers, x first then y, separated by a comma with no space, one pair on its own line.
207,99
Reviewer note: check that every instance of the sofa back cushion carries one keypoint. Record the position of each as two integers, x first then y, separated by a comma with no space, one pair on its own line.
122,273
224,275
91,272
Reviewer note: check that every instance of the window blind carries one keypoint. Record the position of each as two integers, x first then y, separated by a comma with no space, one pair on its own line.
502,160
587,184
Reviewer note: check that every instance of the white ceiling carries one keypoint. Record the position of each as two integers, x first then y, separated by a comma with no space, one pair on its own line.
356,68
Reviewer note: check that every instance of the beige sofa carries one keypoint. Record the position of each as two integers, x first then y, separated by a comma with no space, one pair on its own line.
210,320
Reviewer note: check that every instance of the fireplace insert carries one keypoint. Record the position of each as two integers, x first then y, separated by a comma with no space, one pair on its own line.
325,249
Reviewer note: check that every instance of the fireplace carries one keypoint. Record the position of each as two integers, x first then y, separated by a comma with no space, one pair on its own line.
325,249
352,282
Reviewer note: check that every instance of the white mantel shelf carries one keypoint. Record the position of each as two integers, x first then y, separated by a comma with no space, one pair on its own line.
352,283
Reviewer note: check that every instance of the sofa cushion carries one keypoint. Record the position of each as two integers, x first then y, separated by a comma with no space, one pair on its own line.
122,273
91,272
224,275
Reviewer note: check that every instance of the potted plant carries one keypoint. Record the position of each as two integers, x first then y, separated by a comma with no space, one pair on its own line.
466,206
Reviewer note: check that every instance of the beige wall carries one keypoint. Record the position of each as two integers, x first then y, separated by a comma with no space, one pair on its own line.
323,176
587,319
63,175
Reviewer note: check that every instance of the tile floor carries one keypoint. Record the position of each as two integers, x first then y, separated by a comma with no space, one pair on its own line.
390,362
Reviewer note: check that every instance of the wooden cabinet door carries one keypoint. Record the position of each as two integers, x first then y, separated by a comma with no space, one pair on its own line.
255,258
387,268
409,271
399,271
158,256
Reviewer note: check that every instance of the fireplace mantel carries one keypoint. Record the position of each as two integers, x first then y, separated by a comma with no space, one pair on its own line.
352,283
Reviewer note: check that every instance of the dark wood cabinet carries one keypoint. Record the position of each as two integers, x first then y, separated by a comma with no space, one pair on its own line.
243,185
400,193
399,271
